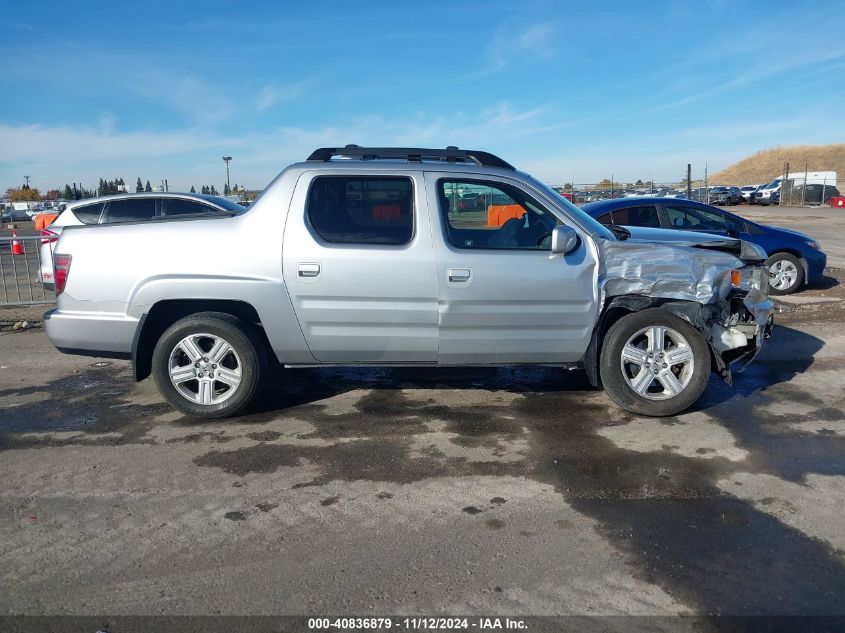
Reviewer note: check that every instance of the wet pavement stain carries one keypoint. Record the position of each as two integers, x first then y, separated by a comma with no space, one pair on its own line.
94,401
330,501
472,510
266,506
235,516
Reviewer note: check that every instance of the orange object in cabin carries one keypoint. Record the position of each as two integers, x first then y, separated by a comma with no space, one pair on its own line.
43,220
498,214
386,212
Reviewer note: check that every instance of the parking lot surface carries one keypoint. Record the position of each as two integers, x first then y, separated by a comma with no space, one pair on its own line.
510,490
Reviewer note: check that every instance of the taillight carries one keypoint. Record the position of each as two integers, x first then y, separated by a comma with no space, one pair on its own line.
52,237
61,270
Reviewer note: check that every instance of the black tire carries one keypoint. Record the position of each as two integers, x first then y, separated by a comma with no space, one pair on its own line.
615,383
248,355
799,277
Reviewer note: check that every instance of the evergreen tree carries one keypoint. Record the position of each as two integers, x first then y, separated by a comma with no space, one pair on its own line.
213,191
193,190
68,194
226,190
148,188
101,188
138,186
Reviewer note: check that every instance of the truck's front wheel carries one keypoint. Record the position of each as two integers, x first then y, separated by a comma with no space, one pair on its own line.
654,363
208,365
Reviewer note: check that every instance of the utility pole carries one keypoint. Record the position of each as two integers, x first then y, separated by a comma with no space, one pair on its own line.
689,181
783,184
226,160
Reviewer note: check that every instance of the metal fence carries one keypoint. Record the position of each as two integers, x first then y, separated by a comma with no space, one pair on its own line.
22,260
806,191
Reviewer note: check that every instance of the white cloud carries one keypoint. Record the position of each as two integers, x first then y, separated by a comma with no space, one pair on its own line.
271,95
509,45
532,139
56,154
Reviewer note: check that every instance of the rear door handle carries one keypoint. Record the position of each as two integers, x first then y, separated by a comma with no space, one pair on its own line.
459,274
309,270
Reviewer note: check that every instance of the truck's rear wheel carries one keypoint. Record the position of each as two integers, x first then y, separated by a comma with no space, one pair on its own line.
654,363
208,365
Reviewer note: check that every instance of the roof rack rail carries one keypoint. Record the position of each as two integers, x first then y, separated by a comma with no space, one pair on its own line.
412,154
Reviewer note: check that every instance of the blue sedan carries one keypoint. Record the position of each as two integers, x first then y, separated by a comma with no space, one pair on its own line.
794,258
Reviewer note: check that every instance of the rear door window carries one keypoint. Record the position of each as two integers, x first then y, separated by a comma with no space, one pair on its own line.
131,210
362,209
89,213
642,215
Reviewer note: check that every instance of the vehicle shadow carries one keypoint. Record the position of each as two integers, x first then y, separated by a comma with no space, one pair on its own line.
788,353
290,388
827,282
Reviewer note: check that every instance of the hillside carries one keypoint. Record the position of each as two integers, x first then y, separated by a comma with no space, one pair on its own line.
768,164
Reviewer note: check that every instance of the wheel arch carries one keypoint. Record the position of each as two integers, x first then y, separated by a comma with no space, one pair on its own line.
163,314
617,307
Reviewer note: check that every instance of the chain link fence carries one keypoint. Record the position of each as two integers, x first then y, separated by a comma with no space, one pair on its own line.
24,261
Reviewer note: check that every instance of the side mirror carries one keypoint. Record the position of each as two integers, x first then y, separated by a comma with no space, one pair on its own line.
564,239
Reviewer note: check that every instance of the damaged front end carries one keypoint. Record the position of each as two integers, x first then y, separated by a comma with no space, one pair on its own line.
717,286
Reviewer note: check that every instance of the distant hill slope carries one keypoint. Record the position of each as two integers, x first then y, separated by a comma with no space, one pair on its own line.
767,164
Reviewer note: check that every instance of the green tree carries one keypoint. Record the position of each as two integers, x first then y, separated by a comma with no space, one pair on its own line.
68,193
639,183
193,190
148,188
138,186
226,190
213,191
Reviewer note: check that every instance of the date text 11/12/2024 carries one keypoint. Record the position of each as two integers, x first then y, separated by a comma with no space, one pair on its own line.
416,623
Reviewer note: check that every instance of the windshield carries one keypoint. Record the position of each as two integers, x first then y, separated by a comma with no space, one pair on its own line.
585,219
773,184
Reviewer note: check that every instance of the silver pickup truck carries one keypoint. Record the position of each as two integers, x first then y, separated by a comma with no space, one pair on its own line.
405,257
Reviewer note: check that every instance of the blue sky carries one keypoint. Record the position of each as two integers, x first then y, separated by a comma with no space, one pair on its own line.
163,90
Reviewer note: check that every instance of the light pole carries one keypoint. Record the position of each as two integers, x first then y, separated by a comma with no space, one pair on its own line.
226,160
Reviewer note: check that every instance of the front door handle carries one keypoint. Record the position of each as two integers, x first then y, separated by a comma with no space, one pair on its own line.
309,270
459,274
